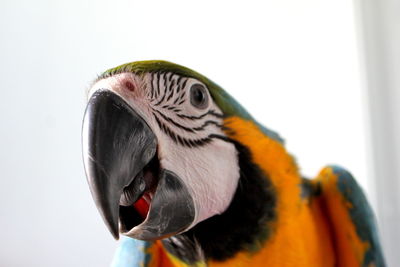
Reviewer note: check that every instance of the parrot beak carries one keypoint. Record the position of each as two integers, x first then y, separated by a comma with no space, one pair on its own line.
132,193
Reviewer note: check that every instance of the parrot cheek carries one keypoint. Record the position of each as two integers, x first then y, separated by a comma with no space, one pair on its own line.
209,174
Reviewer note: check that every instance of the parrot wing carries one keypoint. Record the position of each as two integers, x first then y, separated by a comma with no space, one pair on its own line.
351,217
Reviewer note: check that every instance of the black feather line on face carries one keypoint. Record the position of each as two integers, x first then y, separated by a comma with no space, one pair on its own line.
176,101
169,120
170,81
181,140
162,99
156,89
187,129
152,85
165,80
184,83
171,90
244,226
158,83
181,97
210,112
171,77
206,123
180,77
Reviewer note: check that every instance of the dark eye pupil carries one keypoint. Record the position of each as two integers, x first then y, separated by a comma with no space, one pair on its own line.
198,96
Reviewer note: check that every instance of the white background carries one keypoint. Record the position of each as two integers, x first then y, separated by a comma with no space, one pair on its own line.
293,64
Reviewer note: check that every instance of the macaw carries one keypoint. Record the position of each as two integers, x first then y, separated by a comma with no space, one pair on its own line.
181,169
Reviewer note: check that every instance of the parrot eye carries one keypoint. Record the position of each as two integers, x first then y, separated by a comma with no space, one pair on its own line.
198,96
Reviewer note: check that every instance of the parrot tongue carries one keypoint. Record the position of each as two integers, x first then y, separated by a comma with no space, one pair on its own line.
142,206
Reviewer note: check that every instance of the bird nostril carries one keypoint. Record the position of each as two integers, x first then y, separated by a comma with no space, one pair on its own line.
130,86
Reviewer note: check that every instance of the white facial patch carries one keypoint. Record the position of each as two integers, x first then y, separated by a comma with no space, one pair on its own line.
190,139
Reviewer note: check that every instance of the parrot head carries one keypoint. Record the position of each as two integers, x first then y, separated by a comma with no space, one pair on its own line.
156,151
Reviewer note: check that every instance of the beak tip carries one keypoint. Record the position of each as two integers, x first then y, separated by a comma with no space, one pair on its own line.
116,235
114,231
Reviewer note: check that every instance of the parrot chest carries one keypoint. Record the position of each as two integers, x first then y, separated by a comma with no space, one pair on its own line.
302,239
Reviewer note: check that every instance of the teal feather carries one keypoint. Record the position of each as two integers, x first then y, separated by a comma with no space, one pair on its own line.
361,214
131,253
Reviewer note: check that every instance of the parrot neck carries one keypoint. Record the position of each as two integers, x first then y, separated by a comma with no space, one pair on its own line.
266,172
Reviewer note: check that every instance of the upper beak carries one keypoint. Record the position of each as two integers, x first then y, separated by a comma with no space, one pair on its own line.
117,145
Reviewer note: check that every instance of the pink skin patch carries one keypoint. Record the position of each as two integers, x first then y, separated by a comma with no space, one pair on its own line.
130,86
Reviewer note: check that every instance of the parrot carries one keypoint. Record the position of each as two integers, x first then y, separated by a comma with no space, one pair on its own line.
179,168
